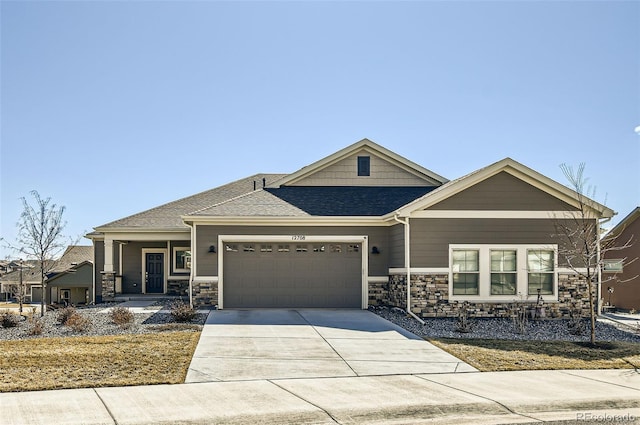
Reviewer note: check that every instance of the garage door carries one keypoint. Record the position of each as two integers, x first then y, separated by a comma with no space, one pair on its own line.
284,275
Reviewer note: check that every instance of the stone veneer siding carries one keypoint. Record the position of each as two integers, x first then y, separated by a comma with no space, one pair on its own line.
108,286
178,288
430,297
205,294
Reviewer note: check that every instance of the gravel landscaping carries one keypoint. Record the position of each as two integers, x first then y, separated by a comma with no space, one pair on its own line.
153,319
536,330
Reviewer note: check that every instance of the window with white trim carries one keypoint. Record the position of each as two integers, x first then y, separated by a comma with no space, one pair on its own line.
612,266
541,271
504,274
181,259
465,271
501,272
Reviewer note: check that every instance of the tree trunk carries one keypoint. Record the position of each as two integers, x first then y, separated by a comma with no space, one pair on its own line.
592,314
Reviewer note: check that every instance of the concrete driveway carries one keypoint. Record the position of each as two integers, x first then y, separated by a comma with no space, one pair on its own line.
238,345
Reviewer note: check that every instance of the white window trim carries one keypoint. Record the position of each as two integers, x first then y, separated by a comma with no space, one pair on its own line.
484,285
174,259
165,266
612,261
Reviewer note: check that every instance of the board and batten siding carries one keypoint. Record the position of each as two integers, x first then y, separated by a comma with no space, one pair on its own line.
503,192
207,263
345,173
430,238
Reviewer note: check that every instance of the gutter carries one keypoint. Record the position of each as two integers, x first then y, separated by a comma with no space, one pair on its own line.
193,262
407,263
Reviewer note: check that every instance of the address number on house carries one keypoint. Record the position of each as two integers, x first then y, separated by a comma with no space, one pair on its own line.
298,237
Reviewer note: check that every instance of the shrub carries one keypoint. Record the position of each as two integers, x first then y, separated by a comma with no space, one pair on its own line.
182,312
464,324
36,327
78,322
121,316
64,314
8,319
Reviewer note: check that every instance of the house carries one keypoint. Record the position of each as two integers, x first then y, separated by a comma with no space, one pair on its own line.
363,226
26,275
70,281
621,271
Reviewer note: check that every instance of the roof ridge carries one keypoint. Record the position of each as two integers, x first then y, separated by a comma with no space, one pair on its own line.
177,201
226,201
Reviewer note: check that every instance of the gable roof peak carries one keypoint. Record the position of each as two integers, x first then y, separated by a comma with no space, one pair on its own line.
363,144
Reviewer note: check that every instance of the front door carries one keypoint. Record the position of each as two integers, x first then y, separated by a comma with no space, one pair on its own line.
154,273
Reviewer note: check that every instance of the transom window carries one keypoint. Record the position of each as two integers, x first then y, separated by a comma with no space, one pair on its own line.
494,272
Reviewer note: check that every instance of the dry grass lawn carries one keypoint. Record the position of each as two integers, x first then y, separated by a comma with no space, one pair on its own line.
77,362
499,355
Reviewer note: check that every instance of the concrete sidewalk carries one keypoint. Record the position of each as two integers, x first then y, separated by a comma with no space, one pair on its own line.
580,396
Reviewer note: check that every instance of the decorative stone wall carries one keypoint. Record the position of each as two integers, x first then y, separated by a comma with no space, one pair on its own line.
430,298
108,286
378,293
178,288
205,294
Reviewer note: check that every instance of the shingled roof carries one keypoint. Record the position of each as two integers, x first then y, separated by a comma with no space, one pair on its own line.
74,255
349,200
167,216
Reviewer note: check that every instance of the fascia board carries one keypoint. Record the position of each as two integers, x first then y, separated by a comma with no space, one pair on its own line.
512,167
288,221
369,146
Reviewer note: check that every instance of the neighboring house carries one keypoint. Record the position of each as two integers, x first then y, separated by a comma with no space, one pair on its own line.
346,232
621,271
71,279
27,272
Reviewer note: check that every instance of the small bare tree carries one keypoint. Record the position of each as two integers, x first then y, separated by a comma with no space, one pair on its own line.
581,246
40,236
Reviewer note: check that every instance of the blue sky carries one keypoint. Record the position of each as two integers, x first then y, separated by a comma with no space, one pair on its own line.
111,108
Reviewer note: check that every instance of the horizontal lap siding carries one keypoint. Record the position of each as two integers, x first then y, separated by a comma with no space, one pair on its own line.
430,238
503,192
132,265
396,246
207,263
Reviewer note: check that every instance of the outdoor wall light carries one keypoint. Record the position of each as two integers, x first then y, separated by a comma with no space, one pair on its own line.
375,250
212,248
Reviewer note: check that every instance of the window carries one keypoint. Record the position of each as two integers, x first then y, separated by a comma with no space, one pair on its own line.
283,248
504,279
248,248
318,248
231,248
500,273
465,272
353,248
364,166
612,266
181,259
301,248
266,248
540,268
335,248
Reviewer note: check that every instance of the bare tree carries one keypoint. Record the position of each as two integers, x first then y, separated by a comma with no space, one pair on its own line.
40,235
582,246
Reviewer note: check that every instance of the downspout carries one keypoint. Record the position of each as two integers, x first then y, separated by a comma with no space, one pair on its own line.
407,263
599,262
193,264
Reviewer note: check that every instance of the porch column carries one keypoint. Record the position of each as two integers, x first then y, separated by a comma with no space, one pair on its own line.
108,255
108,274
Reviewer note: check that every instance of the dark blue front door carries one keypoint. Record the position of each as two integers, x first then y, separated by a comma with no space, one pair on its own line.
155,273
